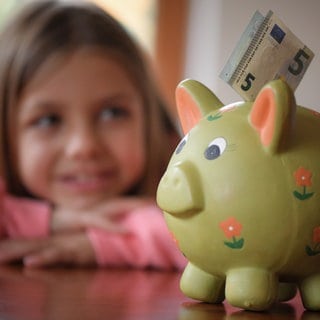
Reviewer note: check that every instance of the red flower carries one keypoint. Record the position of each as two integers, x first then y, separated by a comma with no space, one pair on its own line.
231,227
303,177
316,235
316,113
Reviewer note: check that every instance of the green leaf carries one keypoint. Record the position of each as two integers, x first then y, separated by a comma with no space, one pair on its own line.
238,244
311,252
214,117
298,195
302,196
308,195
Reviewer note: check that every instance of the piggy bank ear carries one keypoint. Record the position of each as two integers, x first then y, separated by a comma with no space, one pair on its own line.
272,115
194,100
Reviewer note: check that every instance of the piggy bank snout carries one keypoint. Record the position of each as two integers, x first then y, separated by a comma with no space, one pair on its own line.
179,191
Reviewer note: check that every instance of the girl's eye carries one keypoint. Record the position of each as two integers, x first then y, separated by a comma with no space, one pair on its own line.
112,113
47,121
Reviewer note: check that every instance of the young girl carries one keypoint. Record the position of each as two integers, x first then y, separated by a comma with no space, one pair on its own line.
85,138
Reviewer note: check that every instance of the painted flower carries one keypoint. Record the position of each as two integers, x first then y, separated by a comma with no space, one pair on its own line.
314,249
316,113
316,235
303,179
232,229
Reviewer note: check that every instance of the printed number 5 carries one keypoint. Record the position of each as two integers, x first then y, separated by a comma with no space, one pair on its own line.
296,68
248,82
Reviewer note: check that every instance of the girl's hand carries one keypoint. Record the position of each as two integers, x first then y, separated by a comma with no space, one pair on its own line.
106,215
68,243
64,249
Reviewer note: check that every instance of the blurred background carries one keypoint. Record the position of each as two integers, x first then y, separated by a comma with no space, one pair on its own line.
194,38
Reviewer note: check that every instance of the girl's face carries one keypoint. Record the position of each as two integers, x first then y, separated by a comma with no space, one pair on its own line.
79,136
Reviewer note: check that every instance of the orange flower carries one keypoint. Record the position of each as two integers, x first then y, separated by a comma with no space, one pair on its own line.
316,235
231,227
303,177
316,113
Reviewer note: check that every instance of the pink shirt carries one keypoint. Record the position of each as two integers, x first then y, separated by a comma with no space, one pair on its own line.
23,218
146,244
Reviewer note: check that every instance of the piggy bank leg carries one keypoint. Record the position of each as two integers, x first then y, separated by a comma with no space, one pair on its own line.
310,292
200,285
286,291
251,288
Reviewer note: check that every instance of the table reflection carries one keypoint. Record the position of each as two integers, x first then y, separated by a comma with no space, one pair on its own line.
86,294
115,294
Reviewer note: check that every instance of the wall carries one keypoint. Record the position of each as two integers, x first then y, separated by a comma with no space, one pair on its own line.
215,26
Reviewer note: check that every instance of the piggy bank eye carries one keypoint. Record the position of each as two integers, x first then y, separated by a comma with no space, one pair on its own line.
215,148
182,144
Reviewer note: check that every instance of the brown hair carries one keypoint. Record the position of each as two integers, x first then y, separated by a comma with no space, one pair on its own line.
44,28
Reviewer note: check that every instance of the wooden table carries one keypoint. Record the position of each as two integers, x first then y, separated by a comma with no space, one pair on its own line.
59,294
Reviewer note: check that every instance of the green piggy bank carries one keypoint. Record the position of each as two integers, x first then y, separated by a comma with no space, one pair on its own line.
241,196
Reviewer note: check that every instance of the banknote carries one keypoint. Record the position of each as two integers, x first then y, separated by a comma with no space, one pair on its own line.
267,50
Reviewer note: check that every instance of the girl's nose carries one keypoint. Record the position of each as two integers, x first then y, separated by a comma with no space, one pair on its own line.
83,143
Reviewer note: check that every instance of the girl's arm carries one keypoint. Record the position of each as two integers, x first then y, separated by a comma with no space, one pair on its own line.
147,242
128,232
25,218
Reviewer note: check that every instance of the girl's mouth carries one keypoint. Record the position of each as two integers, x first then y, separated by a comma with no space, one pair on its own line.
84,182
